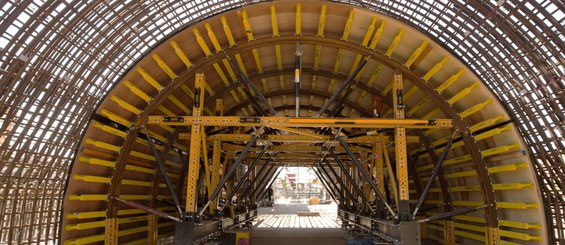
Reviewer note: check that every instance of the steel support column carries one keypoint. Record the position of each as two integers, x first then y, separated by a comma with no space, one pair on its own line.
400,147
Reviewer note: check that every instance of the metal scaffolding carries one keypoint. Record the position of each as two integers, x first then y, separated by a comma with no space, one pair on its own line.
59,59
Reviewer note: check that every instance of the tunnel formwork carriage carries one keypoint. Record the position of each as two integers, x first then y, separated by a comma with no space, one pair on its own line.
225,89
410,114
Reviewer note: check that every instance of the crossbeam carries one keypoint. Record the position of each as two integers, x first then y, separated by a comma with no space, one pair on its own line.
299,122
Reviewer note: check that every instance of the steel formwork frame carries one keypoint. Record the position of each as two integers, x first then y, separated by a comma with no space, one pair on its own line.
37,145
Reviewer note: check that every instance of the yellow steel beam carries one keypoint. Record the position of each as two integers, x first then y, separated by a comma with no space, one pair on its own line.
400,140
111,231
298,20
378,163
152,229
164,66
299,122
416,54
216,157
181,54
435,69
299,138
195,145
391,176
485,153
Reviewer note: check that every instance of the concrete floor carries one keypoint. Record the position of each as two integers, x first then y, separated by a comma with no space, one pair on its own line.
281,225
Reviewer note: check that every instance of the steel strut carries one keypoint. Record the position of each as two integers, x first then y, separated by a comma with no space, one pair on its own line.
248,83
438,166
338,180
232,169
246,191
343,86
269,185
244,178
348,176
262,182
325,186
365,174
163,172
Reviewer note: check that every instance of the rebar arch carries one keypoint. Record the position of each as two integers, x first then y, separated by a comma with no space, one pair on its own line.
59,60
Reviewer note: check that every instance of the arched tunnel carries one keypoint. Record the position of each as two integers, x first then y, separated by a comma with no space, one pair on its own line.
414,138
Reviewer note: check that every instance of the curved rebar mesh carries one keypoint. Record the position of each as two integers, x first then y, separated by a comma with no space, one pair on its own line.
59,58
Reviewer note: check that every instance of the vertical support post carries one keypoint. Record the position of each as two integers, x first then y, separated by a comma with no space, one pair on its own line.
216,157
367,186
391,177
206,165
400,146
152,231
492,235
378,164
448,232
195,140
297,75
111,231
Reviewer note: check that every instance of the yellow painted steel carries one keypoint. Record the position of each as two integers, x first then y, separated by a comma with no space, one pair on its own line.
274,22
394,43
300,122
111,231
492,234
485,153
102,223
101,214
504,223
391,176
187,90
400,141
416,54
137,91
195,146
491,170
104,197
450,81
462,93
379,166
201,42
496,187
227,31
106,180
149,79
103,237
449,232
475,108
110,164
118,119
298,138
298,20
206,165
369,32
181,54
178,103
322,21
164,66
212,37
152,229
348,23
122,103
247,25
216,157
486,123
115,148
435,69
378,35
